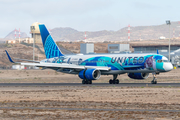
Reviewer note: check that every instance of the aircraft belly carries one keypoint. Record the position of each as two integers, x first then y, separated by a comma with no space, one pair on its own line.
126,71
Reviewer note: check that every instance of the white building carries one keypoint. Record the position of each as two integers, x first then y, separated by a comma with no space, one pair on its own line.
18,67
11,41
162,38
22,40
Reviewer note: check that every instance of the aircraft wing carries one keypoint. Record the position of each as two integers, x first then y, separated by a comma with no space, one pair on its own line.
57,65
64,65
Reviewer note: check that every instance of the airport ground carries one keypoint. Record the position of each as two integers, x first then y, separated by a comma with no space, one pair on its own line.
86,101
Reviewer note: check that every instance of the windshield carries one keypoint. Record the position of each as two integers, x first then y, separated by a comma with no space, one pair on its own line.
165,60
159,61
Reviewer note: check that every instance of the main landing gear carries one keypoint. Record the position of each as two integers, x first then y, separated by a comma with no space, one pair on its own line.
154,81
115,80
86,81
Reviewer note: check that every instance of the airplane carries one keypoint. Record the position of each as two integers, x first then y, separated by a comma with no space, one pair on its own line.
90,67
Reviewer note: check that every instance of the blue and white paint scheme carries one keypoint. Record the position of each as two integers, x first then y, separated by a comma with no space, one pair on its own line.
91,66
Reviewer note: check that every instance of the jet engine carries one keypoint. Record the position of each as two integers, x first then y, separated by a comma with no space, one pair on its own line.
90,74
138,75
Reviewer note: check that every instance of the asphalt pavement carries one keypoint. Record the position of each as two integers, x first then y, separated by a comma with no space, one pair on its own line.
94,84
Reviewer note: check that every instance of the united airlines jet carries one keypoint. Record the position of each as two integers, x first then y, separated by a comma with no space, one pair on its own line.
91,66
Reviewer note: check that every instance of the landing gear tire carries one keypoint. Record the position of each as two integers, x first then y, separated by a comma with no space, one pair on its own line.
154,81
86,81
113,81
83,81
89,81
116,81
110,81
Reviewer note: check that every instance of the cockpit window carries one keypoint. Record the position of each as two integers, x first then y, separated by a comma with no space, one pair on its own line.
165,61
159,61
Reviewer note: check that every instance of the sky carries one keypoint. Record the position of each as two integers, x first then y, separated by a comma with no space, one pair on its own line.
85,15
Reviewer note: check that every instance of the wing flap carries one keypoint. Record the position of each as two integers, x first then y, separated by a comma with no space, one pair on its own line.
57,65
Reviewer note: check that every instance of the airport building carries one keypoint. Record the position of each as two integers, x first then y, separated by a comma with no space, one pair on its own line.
35,32
154,48
162,49
11,41
86,48
118,48
21,40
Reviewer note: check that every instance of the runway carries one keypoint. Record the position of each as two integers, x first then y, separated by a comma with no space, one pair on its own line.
93,84
87,109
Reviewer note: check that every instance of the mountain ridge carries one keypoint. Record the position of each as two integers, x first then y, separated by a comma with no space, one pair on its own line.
136,33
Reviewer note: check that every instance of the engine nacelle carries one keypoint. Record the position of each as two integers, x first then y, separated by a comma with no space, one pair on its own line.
90,74
138,75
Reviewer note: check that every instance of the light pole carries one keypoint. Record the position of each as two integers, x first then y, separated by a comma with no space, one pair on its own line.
169,23
33,44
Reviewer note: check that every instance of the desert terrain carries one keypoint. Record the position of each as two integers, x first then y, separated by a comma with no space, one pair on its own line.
88,101
25,51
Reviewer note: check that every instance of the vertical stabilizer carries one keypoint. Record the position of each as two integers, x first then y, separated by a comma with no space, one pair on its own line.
50,47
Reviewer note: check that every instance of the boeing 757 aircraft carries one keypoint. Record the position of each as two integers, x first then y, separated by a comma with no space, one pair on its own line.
91,66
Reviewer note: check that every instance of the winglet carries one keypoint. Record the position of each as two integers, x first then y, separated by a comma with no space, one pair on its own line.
157,52
9,57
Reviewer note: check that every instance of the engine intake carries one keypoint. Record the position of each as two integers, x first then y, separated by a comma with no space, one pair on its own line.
90,74
138,75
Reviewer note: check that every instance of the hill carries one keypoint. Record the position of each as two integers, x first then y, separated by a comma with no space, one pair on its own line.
61,34
137,33
11,36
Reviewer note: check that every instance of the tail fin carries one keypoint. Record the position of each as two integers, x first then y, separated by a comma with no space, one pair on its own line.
50,47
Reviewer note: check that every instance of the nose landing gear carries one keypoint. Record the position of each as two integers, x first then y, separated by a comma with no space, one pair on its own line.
115,80
154,81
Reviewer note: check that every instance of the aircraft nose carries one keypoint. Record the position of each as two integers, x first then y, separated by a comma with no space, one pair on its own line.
168,67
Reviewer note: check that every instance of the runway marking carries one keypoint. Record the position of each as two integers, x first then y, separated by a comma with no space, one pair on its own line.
94,84
90,109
